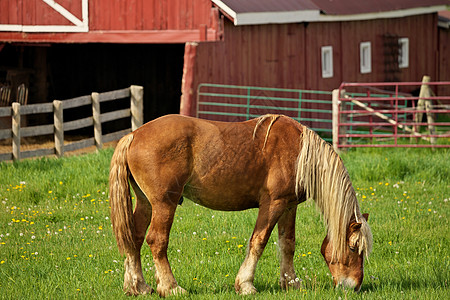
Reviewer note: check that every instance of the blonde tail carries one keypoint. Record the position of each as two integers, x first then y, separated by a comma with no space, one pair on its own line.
120,197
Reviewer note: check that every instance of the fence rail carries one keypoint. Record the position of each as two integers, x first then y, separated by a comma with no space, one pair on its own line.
238,103
397,119
59,127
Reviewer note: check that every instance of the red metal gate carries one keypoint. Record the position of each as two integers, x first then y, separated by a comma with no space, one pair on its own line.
406,114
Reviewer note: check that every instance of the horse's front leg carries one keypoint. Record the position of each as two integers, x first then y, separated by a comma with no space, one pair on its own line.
268,216
286,241
158,240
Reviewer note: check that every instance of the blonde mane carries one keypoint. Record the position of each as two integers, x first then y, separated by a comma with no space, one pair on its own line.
322,175
261,120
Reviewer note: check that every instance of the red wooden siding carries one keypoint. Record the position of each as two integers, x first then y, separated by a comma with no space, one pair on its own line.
10,12
148,14
444,60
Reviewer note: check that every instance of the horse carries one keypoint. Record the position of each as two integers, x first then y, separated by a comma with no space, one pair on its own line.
272,163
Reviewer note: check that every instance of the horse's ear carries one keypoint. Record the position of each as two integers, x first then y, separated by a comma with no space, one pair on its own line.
366,216
355,226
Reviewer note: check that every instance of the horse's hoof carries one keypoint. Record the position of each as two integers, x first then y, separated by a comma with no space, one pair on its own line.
176,291
246,288
141,288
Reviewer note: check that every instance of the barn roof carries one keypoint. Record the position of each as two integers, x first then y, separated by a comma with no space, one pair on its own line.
254,12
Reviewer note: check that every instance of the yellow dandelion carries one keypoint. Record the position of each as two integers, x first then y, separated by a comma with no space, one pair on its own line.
240,246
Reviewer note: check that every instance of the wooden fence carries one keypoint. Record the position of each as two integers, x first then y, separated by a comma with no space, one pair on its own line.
16,132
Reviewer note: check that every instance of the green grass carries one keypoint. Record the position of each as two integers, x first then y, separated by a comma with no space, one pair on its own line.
56,240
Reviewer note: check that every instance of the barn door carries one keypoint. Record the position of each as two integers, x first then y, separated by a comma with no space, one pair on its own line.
44,15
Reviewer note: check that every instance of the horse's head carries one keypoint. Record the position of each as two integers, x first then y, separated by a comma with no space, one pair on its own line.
348,271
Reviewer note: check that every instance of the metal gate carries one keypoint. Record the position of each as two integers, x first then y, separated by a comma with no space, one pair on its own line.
406,114
239,103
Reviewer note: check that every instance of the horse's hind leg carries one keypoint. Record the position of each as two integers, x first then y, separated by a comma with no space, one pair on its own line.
286,240
158,239
134,282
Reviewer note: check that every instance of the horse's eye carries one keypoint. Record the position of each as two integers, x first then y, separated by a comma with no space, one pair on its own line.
352,248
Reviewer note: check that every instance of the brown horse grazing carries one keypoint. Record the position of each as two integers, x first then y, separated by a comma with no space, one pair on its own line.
272,163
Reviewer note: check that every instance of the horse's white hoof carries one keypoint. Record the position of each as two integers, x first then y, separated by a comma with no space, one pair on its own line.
176,291
246,288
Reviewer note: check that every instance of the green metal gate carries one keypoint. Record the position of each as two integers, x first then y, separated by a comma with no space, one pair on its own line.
238,103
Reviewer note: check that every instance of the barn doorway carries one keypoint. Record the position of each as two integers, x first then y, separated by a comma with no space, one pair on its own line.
62,71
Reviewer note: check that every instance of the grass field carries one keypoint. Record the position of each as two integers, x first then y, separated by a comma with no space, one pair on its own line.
56,240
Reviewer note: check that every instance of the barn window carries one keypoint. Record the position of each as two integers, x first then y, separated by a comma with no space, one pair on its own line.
365,57
327,61
403,52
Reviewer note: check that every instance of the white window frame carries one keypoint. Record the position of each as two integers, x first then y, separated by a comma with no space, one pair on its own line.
365,57
403,53
327,61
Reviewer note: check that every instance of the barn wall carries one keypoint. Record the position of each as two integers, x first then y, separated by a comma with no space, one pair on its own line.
318,36
289,55
262,55
444,59
148,14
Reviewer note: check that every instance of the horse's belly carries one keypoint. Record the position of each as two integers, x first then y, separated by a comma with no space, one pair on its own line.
220,199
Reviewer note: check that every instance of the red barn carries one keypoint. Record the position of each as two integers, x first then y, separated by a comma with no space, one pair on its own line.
317,44
65,48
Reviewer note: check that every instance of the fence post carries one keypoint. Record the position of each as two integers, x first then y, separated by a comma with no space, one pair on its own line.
16,130
427,105
137,106
336,118
58,119
97,120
